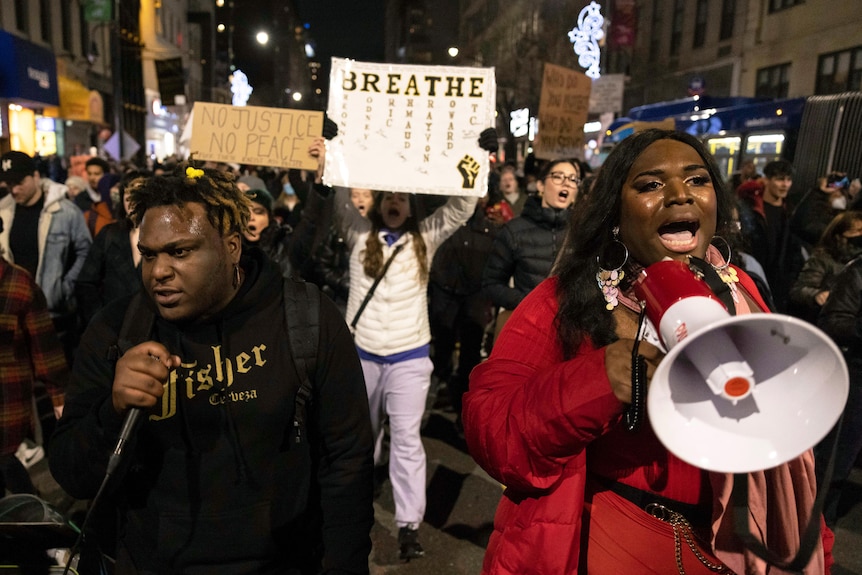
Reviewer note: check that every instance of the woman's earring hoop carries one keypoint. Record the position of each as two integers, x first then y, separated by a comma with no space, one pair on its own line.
729,253
609,278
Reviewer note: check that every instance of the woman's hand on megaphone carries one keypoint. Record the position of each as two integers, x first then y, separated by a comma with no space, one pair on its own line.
618,365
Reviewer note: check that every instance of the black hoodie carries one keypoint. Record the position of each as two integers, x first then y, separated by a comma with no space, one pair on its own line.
217,484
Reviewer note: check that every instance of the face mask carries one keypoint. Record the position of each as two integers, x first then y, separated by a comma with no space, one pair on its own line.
531,187
840,203
288,189
855,242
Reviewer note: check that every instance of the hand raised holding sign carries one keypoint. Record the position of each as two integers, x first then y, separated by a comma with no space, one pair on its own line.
317,150
488,140
330,128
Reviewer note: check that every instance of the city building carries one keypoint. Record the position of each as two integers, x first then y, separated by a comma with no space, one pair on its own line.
773,48
668,50
75,74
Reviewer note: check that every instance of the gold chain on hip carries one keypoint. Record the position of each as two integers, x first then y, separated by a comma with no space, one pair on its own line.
682,530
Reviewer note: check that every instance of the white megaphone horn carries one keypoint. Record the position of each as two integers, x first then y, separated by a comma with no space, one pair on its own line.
736,394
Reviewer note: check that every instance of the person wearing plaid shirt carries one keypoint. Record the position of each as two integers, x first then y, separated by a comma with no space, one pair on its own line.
29,351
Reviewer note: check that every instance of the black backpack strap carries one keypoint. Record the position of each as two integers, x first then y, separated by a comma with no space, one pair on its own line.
137,326
302,316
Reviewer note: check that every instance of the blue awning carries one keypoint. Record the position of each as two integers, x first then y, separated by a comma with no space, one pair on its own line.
27,71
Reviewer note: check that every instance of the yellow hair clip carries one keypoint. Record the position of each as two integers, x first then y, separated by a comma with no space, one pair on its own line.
194,173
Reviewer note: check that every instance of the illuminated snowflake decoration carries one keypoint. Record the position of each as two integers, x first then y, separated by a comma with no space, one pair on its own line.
240,88
586,37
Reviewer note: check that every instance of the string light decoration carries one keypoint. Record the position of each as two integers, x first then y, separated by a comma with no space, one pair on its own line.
586,37
240,88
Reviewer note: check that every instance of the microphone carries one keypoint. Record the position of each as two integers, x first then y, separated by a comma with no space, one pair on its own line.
130,425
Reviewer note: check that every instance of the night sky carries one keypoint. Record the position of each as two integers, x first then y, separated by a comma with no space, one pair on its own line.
342,28
346,28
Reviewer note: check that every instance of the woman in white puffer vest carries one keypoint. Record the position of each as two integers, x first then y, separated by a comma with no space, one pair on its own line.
393,333
391,329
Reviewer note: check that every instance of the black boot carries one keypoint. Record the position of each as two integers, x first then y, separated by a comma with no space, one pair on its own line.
408,541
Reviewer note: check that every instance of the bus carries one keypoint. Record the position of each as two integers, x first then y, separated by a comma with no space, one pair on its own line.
819,134
732,128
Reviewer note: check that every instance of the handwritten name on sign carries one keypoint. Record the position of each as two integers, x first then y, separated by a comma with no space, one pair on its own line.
563,108
255,135
409,128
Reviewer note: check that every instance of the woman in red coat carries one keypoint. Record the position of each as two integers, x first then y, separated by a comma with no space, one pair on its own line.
544,414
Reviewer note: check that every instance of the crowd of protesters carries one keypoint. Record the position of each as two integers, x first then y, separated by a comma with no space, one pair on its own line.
71,247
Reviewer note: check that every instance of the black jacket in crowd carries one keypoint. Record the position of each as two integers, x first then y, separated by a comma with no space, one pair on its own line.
455,280
216,483
524,249
782,260
109,271
332,267
841,315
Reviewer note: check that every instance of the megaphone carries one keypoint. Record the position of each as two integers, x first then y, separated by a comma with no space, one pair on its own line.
736,394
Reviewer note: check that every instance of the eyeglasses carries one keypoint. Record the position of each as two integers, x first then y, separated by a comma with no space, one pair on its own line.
559,177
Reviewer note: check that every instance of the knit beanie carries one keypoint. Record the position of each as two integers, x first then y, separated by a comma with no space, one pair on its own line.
261,197
253,182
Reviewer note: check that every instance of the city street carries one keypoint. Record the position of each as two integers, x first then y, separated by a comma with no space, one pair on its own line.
461,503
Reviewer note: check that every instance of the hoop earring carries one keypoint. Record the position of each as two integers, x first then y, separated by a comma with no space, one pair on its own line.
725,272
609,279
729,253
236,276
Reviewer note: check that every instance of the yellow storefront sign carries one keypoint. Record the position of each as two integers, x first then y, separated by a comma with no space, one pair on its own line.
78,103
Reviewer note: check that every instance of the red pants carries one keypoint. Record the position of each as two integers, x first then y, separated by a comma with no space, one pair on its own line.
619,538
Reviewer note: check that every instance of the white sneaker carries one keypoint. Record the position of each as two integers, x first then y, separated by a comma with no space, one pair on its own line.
29,453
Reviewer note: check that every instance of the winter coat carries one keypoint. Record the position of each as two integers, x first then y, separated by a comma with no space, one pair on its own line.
524,250
841,316
396,318
216,483
108,273
332,267
456,273
63,245
817,275
29,350
531,420
781,262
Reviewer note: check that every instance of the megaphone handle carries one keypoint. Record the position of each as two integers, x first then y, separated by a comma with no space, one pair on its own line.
809,536
634,413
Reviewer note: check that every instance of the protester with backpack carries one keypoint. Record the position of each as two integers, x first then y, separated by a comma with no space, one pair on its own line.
255,449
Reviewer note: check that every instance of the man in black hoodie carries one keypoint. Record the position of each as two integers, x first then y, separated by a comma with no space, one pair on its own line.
216,480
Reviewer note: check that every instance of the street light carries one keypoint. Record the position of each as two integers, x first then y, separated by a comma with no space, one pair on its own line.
297,96
453,51
262,38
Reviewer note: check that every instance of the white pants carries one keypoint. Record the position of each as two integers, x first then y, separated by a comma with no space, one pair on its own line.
399,391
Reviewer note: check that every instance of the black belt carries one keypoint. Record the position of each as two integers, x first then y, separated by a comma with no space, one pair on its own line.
696,515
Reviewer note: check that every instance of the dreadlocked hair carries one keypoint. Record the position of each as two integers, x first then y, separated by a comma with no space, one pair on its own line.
372,255
227,207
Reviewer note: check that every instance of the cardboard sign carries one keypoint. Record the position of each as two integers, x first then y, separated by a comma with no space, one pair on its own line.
606,94
254,135
563,108
408,128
